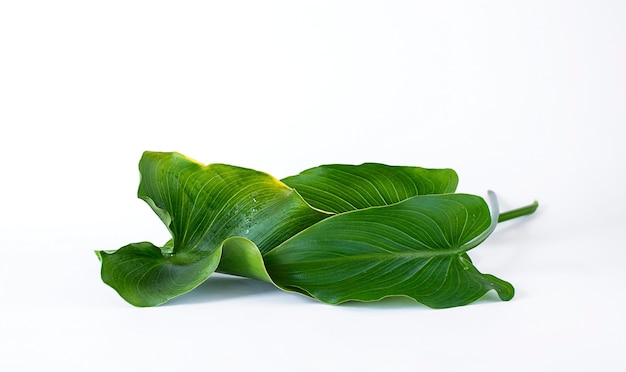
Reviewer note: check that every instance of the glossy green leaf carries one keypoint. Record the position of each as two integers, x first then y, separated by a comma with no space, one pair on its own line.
414,248
202,206
335,233
340,188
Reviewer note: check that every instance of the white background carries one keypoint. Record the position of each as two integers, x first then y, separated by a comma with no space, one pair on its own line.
522,97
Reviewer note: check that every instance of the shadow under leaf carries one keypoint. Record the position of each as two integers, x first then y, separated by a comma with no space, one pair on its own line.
220,287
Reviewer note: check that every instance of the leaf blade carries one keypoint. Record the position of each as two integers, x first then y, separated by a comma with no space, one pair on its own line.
414,248
340,188
203,205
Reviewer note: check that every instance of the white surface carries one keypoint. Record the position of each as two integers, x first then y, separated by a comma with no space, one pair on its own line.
525,98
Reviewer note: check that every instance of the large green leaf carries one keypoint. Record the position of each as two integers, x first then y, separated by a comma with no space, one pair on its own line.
202,206
340,188
414,248
364,233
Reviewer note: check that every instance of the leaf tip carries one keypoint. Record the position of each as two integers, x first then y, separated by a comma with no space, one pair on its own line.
504,289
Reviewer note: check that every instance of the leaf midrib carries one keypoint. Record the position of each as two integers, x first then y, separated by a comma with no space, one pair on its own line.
448,252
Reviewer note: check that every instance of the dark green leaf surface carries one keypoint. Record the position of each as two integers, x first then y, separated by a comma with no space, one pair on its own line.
415,248
340,188
202,206
143,276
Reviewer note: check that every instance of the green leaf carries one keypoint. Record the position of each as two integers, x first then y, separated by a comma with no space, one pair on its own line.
340,188
202,206
144,276
414,248
364,233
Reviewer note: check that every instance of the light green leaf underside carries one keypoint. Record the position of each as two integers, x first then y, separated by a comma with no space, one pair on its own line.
340,188
202,206
242,257
414,248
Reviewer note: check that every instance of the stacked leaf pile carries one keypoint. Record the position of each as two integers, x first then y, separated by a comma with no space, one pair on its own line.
335,233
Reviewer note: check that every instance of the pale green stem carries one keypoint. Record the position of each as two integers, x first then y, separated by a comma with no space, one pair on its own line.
519,212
